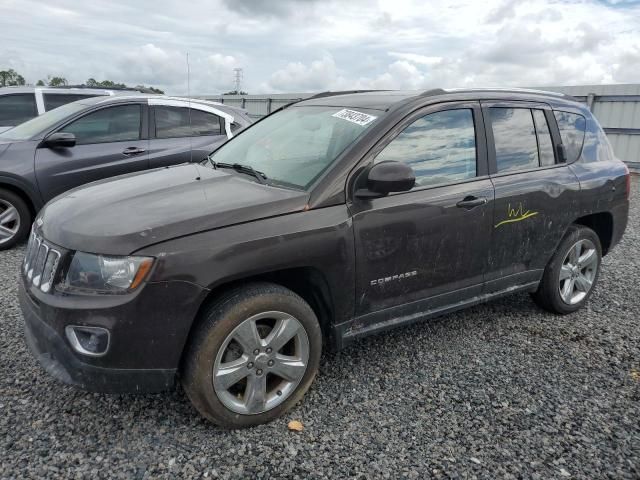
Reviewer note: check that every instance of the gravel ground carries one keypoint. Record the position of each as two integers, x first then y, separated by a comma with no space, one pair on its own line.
502,390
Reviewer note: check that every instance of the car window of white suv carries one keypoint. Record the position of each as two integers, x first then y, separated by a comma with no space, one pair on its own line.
17,108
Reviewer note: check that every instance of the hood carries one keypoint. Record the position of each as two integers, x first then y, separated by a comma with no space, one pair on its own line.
122,215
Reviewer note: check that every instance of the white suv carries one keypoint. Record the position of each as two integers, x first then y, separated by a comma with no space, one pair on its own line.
19,104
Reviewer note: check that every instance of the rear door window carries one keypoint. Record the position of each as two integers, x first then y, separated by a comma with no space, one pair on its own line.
113,124
572,127
55,100
514,135
175,122
17,108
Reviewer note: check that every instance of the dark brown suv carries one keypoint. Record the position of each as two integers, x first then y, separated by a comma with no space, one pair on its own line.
340,216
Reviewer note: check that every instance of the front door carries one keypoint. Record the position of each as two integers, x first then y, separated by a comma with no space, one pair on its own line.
536,193
109,142
428,247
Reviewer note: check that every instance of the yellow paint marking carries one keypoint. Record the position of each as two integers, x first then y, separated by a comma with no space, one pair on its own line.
516,215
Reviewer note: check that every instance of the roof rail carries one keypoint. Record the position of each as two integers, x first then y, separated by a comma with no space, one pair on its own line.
100,87
342,92
432,91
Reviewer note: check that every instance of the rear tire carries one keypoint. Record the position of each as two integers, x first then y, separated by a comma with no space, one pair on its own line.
15,219
237,379
572,273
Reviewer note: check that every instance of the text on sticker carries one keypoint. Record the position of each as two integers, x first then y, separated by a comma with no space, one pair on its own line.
354,117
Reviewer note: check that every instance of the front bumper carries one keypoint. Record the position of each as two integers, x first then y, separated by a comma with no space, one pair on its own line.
144,359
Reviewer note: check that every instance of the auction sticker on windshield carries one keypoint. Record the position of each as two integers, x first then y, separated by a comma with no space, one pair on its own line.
354,117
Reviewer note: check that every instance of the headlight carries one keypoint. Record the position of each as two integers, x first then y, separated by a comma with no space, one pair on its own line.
106,274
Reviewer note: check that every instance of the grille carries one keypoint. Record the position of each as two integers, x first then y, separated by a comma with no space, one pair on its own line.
40,263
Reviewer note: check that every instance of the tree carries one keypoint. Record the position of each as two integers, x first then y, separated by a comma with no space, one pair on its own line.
92,82
58,81
235,92
10,78
151,89
41,83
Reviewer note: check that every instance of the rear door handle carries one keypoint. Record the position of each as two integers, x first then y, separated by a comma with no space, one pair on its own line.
133,151
471,202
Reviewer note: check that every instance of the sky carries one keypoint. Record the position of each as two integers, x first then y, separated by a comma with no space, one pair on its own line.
316,45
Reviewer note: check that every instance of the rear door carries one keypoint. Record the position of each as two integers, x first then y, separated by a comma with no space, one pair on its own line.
111,141
428,247
536,194
181,134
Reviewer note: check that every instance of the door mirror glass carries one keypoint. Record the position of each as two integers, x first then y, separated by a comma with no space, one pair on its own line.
387,177
60,140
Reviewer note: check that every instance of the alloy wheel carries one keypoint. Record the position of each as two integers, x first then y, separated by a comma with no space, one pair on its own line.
261,362
9,221
578,271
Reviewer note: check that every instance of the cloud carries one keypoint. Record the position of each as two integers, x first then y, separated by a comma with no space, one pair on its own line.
314,45
318,75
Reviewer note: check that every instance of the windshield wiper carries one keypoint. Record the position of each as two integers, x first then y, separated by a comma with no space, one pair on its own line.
260,176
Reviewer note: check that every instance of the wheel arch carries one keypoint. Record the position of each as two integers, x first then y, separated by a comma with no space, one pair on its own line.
307,282
602,224
19,188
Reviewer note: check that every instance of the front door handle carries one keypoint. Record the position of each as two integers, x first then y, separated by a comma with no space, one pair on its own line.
471,202
133,151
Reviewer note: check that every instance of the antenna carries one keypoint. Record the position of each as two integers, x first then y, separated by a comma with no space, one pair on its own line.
189,109
238,75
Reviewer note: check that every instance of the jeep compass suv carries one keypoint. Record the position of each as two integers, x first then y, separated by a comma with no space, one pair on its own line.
335,218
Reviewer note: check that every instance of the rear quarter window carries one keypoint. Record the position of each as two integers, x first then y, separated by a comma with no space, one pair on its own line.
596,144
572,128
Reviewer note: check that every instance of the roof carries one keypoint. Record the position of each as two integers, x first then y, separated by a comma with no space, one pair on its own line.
159,98
384,99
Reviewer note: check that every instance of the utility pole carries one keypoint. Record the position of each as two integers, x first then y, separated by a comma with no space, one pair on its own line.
237,79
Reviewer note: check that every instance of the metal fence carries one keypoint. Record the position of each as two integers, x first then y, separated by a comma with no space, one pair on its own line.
617,108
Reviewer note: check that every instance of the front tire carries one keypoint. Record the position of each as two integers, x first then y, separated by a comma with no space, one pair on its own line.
15,219
572,273
253,355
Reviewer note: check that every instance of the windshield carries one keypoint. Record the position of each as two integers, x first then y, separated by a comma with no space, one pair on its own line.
31,128
295,146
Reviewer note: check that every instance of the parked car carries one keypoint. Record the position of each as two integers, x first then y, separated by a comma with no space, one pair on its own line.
19,104
335,218
101,137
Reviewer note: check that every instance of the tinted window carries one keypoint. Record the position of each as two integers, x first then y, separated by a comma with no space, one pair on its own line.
18,108
113,124
572,127
440,147
515,138
174,122
55,100
545,144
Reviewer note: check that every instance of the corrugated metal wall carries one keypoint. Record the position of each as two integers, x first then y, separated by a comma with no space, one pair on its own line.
617,108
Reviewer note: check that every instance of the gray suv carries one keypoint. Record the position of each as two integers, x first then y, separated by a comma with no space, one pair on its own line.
101,137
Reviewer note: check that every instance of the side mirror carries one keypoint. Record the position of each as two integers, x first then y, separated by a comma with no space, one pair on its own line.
60,140
387,177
